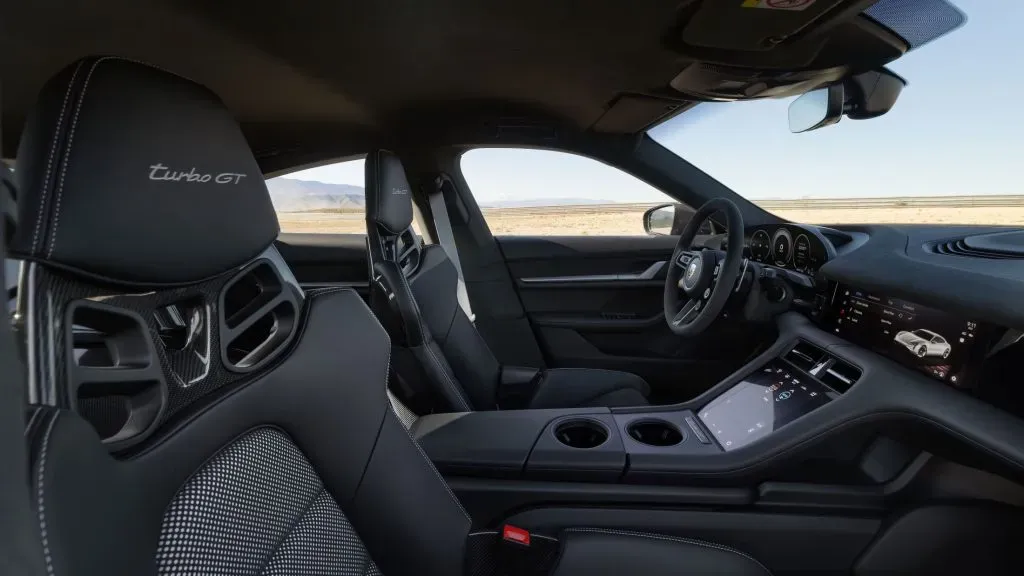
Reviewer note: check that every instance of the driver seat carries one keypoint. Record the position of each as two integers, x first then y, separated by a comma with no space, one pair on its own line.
414,294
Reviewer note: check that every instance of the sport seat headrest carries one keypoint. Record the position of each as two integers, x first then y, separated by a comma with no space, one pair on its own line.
388,197
134,175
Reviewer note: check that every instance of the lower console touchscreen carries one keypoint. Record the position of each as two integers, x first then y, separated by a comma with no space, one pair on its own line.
939,344
763,402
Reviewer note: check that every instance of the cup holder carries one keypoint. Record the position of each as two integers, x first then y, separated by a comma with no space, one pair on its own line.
655,433
581,433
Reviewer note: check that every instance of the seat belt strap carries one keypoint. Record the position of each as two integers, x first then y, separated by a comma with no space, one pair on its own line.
446,238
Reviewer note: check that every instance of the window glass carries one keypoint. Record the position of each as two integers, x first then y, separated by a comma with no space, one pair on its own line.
529,192
327,199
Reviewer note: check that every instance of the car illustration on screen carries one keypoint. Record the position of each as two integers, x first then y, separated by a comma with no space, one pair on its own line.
923,343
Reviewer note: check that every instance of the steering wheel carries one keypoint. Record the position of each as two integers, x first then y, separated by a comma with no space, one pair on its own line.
706,277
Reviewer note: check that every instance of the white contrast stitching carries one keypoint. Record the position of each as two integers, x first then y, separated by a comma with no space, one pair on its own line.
32,419
71,138
49,160
67,154
690,541
40,494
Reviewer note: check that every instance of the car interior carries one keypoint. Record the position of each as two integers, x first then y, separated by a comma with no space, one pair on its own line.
186,389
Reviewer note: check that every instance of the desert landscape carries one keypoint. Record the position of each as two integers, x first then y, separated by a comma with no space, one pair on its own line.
626,219
318,207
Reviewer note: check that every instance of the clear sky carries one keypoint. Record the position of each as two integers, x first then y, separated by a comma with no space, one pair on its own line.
958,128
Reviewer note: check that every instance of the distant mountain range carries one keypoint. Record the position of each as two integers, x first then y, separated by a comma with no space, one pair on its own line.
289,195
304,195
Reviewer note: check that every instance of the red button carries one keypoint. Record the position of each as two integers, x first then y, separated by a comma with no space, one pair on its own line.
517,535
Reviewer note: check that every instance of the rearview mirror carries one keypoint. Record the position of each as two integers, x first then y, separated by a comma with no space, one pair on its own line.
667,219
816,109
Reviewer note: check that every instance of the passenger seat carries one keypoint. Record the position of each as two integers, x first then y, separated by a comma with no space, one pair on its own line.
414,292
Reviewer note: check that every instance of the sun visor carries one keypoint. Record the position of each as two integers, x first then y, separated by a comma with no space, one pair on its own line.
746,49
755,25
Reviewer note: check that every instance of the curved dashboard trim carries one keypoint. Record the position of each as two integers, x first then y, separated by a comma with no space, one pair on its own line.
886,391
892,261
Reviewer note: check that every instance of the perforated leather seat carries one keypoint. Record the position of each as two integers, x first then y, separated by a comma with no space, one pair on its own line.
192,411
414,292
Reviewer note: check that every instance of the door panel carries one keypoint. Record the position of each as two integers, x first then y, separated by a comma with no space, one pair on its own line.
597,302
321,260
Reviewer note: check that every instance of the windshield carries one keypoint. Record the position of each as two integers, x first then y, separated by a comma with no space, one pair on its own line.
948,152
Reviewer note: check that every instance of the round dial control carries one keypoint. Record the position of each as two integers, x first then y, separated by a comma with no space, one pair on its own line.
782,247
760,246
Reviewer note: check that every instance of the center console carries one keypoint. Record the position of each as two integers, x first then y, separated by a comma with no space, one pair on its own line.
643,445
812,390
806,441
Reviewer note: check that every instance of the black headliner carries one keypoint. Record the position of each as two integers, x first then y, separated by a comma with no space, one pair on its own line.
338,76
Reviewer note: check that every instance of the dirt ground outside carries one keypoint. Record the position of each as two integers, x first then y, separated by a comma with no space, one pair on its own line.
626,219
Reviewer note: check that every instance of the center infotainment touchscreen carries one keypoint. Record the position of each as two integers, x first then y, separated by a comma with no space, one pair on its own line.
762,403
922,338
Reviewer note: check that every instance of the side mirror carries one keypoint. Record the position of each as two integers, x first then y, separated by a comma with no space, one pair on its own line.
816,109
667,219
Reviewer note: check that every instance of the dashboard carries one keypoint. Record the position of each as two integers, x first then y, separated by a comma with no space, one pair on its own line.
948,346
920,326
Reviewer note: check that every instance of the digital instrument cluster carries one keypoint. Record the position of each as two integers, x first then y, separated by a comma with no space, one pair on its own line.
788,247
941,345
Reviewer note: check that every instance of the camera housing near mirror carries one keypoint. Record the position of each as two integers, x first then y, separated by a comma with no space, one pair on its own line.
860,97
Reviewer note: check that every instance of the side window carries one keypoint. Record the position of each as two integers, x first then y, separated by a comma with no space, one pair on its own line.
529,192
327,199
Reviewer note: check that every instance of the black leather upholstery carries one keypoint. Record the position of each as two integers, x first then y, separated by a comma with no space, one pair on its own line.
118,185
419,305
20,549
596,552
299,467
561,387
301,462
389,202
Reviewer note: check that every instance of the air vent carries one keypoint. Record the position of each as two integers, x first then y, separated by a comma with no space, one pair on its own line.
1007,245
258,313
804,355
839,375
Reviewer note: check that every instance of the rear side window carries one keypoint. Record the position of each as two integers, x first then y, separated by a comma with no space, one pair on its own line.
328,199
530,192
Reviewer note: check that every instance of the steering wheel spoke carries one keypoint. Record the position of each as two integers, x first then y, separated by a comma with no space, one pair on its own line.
688,312
684,258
